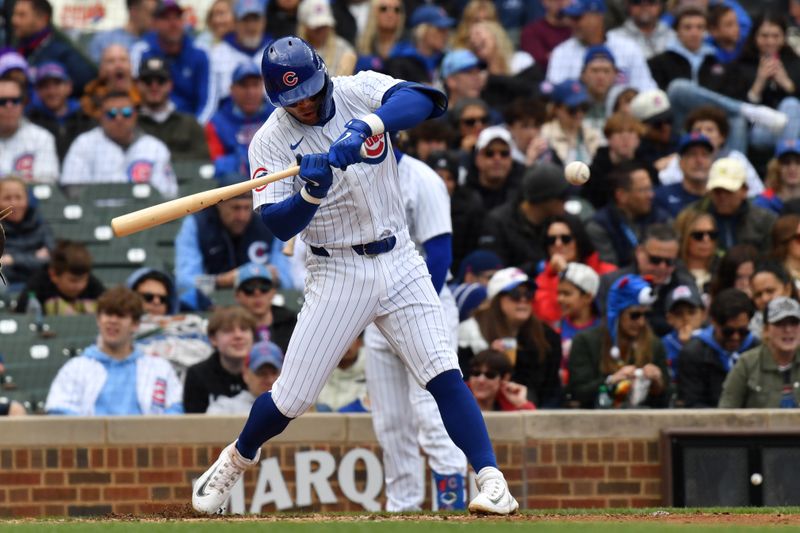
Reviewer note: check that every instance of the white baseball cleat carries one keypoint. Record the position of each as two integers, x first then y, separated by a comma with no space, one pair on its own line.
494,497
213,489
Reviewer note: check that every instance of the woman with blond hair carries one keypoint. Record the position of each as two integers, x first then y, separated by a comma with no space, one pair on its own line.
489,41
385,25
315,24
783,177
475,11
698,244
219,22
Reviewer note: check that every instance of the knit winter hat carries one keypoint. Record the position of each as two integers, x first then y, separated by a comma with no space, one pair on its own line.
628,291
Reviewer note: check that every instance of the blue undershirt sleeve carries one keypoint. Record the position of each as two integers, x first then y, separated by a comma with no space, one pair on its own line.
289,217
439,256
405,108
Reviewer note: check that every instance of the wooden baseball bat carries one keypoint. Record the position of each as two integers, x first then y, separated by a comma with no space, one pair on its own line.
155,215
288,248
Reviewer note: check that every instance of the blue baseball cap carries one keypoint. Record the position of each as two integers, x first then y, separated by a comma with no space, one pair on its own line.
694,138
248,69
265,353
51,71
477,262
787,146
249,7
433,15
570,93
459,61
598,51
165,6
250,271
580,7
13,61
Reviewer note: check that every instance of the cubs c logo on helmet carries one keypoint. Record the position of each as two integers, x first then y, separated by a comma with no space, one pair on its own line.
290,79
260,172
375,147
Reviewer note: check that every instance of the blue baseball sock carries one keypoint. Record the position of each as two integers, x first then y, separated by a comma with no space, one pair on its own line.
450,492
264,422
462,418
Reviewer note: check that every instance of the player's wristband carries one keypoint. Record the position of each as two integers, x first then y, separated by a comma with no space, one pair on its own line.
375,123
309,198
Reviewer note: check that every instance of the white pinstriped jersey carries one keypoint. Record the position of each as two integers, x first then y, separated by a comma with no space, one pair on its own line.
29,153
426,200
365,202
223,60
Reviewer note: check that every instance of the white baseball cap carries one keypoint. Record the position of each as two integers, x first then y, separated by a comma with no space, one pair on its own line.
493,133
506,280
650,105
315,14
582,276
727,173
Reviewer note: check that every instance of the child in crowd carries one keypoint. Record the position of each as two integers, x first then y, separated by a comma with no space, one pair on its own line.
577,289
686,314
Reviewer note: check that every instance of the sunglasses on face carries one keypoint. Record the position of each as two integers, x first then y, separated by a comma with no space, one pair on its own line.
729,332
250,289
636,315
520,294
386,9
699,236
579,109
125,112
150,297
552,239
490,374
15,100
154,79
502,153
470,122
656,260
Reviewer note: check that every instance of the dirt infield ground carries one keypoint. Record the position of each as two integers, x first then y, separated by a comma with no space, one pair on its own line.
179,519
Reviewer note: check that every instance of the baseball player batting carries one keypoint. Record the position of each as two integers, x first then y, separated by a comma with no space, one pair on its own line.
404,414
362,266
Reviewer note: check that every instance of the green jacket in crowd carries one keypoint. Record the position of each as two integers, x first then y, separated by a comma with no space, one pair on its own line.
754,381
585,376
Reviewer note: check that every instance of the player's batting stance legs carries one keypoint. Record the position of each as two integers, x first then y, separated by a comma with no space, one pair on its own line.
362,268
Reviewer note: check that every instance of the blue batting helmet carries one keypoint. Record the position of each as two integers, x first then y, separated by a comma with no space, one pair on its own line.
293,71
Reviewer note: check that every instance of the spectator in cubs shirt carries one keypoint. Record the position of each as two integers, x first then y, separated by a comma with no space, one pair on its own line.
117,151
26,150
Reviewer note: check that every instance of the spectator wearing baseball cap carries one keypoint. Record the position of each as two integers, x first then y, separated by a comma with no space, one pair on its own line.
686,316
652,107
495,175
244,45
506,323
14,67
695,154
140,20
738,220
317,26
599,75
472,278
463,75
783,177
431,27
568,135
159,117
261,368
765,377
566,61
255,291
55,110
514,230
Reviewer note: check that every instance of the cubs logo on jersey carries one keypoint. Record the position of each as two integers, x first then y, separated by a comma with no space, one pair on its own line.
140,171
376,148
260,172
23,166
258,252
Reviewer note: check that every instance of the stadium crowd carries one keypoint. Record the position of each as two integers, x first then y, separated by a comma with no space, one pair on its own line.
669,280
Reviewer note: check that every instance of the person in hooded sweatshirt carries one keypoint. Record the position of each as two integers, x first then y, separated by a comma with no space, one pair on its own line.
113,377
708,357
179,338
29,239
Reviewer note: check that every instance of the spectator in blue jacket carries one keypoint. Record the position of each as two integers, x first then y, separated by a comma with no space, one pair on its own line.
40,42
194,90
240,115
212,244
431,30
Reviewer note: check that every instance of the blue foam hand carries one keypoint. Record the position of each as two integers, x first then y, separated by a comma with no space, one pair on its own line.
346,150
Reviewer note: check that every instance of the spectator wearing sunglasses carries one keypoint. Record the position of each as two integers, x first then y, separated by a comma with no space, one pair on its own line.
738,220
118,152
470,117
786,244
568,135
656,259
159,117
769,280
505,322
495,175
645,27
698,251
709,356
611,354
617,229
783,178
765,376
695,155
255,292
162,332
489,381
565,241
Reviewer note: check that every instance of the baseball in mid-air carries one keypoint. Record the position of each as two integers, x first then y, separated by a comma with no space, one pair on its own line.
577,173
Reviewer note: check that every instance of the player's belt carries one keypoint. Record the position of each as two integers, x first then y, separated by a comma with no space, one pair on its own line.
371,248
